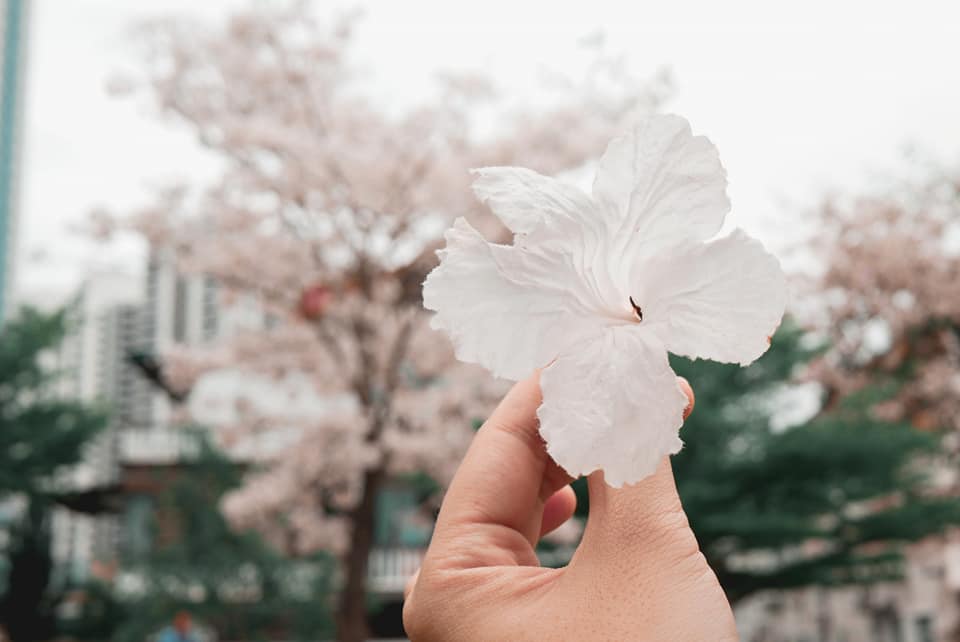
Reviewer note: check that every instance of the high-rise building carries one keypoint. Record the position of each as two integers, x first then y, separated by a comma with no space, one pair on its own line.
106,324
13,49
180,310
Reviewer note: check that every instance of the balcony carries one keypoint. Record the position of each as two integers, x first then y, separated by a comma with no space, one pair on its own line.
144,446
390,568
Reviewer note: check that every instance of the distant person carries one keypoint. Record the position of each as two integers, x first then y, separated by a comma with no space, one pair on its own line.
180,631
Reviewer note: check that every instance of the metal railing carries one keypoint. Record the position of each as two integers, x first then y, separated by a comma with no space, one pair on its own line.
390,568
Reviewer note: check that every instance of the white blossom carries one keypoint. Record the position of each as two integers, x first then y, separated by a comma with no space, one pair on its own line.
597,289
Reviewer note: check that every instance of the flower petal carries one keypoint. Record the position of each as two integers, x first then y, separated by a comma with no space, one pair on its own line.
660,184
550,216
524,200
508,309
719,300
612,403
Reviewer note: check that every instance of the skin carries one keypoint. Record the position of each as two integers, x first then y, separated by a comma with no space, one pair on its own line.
638,573
182,623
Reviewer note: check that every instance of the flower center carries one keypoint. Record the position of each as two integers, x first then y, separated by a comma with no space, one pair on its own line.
636,309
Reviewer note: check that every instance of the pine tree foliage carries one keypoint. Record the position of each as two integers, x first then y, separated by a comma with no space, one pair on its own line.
230,582
41,435
830,501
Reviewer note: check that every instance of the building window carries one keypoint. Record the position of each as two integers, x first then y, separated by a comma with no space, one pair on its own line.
210,298
887,625
924,628
399,521
137,526
180,310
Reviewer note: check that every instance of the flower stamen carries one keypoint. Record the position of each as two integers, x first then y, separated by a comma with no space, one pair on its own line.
636,308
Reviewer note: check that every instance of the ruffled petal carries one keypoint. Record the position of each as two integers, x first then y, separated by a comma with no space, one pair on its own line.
660,184
525,200
612,403
505,308
720,300
551,217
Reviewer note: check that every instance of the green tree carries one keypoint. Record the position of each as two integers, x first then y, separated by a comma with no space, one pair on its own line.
830,501
230,581
40,436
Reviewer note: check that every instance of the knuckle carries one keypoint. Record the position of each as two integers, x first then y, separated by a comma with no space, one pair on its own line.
416,622
422,615
672,535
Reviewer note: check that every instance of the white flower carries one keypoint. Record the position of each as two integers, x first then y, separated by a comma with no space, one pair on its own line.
597,289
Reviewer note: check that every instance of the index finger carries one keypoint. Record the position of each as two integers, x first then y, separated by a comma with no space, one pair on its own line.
499,490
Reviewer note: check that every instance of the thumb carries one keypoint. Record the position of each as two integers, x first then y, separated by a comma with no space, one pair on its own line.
621,518
640,567
637,521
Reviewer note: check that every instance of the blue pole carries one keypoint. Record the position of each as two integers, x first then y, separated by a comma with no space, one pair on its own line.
9,87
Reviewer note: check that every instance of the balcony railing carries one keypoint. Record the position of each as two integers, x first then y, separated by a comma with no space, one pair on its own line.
155,446
390,568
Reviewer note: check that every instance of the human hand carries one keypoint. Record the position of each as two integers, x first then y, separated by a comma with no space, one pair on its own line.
638,573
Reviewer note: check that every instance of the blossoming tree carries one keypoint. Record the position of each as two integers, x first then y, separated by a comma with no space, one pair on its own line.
892,290
326,216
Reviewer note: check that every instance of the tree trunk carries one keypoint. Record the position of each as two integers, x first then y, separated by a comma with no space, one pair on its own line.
23,612
352,615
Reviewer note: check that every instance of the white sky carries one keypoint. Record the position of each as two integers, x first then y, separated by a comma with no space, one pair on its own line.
799,97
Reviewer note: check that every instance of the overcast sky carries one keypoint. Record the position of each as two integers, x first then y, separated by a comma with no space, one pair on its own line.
820,95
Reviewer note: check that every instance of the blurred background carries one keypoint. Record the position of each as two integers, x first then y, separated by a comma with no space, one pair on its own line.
223,415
